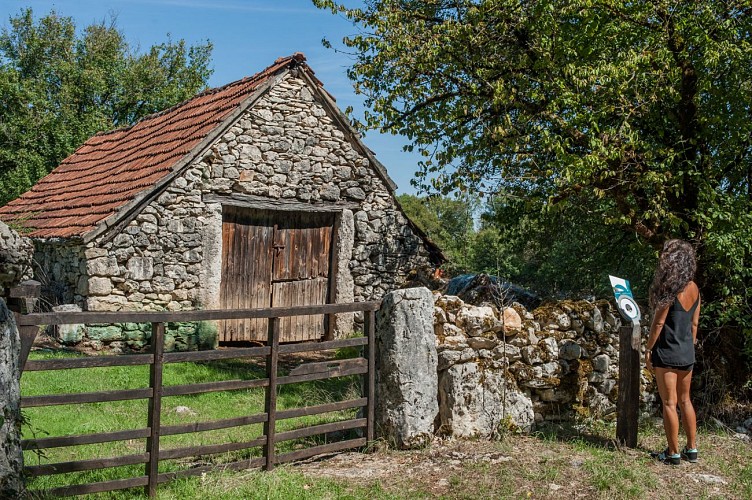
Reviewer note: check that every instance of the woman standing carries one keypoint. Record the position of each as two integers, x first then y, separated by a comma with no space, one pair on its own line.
670,355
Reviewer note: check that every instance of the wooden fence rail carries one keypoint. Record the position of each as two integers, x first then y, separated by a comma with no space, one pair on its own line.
156,391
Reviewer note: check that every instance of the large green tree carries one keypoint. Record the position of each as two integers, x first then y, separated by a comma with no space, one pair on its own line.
59,86
644,107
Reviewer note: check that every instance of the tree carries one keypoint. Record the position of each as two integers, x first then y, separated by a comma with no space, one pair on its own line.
59,87
562,252
641,106
447,222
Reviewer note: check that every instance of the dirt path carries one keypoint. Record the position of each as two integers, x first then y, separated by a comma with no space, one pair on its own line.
585,466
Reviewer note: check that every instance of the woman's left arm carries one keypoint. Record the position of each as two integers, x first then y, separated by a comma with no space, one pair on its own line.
696,320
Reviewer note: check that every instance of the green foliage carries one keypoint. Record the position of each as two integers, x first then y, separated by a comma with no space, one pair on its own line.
638,109
60,87
447,222
569,251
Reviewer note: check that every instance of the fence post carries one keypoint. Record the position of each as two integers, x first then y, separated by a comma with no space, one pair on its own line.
369,327
628,403
23,298
155,408
272,341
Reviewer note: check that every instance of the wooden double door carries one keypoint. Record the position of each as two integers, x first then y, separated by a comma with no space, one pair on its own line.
275,259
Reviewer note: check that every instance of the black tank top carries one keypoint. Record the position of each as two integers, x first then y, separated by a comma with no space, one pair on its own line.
675,346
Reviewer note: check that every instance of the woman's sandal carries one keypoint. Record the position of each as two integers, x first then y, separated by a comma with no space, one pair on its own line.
690,455
667,458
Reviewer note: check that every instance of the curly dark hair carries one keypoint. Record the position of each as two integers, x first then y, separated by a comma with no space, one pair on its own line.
676,268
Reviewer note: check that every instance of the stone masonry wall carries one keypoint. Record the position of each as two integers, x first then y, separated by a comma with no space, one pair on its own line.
61,268
515,368
285,147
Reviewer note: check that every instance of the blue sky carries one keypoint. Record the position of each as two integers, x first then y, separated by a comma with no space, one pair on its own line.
248,35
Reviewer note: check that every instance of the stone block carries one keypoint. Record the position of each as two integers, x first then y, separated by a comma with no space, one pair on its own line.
478,343
601,362
69,334
511,320
103,266
476,401
105,334
549,347
330,192
406,381
476,321
95,253
508,351
569,349
448,358
140,268
595,321
108,303
355,193
531,354
100,286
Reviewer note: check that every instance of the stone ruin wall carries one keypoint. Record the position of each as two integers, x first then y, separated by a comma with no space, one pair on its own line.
286,147
516,368
61,268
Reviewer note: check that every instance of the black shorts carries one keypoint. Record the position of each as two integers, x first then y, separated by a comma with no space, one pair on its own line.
658,363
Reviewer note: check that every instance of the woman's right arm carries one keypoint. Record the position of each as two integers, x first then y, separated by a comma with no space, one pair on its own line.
659,318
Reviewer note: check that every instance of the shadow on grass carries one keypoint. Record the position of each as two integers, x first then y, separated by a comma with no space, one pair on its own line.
570,432
599,435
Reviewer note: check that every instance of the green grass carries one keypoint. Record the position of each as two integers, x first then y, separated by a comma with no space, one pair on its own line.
559,460
122,415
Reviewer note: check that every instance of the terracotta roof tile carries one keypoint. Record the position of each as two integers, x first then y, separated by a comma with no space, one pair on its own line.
112,168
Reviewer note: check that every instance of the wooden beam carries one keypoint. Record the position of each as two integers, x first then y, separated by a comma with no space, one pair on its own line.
92,317
369,327
283,205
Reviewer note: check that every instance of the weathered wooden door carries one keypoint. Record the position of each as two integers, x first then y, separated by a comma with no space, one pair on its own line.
277,259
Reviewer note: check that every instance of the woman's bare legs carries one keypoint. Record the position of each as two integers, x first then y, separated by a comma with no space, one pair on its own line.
689,420
667,389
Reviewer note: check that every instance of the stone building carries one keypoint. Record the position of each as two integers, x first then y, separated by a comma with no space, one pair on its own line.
254,194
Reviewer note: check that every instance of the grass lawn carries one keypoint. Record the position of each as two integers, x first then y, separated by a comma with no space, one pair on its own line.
557,461
123,415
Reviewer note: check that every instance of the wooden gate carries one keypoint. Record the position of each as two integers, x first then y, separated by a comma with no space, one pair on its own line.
144,441
275,259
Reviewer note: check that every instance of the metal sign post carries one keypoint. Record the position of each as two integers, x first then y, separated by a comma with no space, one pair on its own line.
628,403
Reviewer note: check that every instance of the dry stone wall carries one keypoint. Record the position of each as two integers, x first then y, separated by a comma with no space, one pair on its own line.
286,147
515,368
61,268
15,257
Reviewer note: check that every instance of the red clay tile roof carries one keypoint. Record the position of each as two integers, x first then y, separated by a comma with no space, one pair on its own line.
112,168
